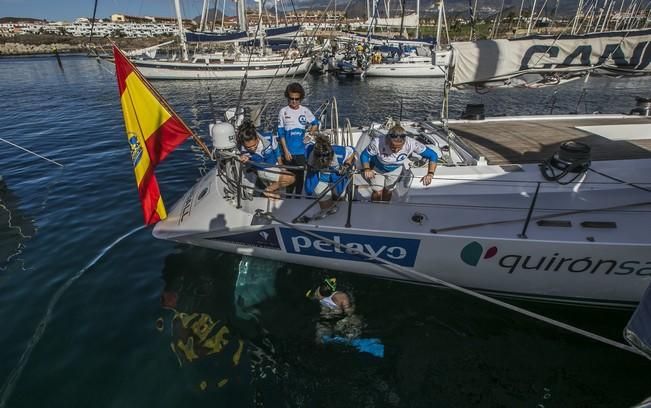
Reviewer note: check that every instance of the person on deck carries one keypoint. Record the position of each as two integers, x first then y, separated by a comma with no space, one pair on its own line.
384,157
326,165
293,120
262,154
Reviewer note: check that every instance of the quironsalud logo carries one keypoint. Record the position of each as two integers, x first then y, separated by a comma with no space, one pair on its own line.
472,253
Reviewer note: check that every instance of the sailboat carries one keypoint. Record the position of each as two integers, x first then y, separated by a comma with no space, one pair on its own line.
415,59
558,214
226,65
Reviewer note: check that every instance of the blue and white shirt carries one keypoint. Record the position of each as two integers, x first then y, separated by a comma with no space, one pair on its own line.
266,153
383,159
291,127
312,178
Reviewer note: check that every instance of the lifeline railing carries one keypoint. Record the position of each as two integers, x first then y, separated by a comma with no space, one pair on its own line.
543,212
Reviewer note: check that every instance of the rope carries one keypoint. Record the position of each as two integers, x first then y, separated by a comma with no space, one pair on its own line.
31,152
8,387
410,272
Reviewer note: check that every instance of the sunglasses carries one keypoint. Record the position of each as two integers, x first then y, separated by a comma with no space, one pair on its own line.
322,154
294,99
395,136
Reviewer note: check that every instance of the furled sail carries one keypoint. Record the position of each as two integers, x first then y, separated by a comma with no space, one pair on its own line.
153,131
409,21
192,36
486,61
281,31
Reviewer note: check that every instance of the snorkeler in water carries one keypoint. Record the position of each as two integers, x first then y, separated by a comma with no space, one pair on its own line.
337,317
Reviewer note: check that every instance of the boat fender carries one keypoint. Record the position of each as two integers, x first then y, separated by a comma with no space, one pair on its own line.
572,157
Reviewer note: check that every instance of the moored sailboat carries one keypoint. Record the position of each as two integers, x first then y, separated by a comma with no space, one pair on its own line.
227,65
491,220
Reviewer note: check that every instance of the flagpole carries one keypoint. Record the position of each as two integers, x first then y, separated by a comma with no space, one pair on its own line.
163,102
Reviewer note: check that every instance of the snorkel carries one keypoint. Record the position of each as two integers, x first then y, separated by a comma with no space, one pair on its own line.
328,283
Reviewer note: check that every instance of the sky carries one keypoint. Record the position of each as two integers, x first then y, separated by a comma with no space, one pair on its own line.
69,10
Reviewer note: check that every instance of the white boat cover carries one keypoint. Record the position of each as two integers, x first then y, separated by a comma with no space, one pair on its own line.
410,21
494,60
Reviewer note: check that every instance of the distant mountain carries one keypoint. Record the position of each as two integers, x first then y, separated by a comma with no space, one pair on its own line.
11,20
485,8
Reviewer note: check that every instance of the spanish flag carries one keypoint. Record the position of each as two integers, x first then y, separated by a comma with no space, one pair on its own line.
153,131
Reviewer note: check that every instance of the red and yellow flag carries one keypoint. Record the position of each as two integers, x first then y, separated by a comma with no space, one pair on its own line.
153,131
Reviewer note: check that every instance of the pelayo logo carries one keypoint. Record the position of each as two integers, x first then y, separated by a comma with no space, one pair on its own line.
352,247
472,253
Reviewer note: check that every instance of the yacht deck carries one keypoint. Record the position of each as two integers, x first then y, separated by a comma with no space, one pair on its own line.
503,141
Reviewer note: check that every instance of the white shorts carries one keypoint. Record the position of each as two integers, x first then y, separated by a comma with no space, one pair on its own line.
386,181
322,186
268,175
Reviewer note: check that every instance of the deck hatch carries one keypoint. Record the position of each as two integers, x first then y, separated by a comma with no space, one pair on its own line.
554,223
599,224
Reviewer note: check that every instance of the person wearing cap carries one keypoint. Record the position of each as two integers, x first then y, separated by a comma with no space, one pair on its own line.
262,155
327,164
384,158
293,120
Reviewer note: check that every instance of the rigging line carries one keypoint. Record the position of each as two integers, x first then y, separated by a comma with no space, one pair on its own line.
538,217
323,20
248,63
410,272
621,181
8,386
511,208
31,152
92,23
294,40
162,101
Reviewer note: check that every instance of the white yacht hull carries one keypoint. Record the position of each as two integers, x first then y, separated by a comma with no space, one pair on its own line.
216,70
469,233
405,70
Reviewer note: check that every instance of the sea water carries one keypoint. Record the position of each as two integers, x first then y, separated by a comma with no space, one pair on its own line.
95,312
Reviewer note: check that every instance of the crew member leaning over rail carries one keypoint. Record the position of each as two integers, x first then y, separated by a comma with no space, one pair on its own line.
384,157
327,164
262,154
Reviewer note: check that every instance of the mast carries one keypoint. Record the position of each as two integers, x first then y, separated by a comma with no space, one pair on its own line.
214,16
260,27
439,23
417,19
202,22
517,25
276,10
471,10
184,44
223,14
533,9
402,16
241,15
368,11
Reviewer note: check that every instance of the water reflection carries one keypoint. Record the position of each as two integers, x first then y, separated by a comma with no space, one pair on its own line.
16,228
212,345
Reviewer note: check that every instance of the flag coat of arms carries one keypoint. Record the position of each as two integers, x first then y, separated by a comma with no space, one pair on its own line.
153,131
